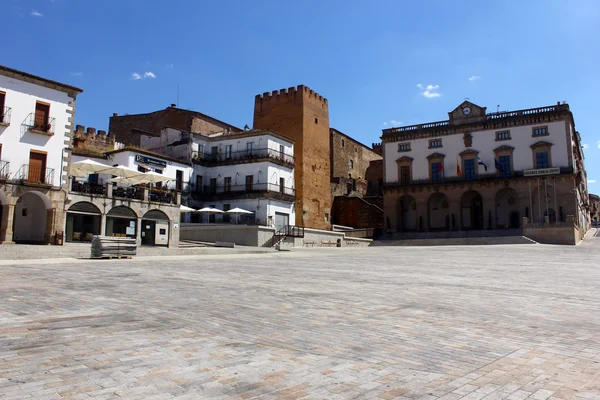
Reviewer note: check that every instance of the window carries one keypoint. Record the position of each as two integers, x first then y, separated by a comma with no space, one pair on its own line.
540,131
227,184
249,182
249,148
226,217
404,147
198,184
316,120
200,149
214,152
541,160
213,186
281,150
93,178
470,170
356,149
228,152
351,164
211,216
343,143
436,171
404,174
281,185
2,110
37,167
435,143
179,180
503,135
42,117
505,168
141,169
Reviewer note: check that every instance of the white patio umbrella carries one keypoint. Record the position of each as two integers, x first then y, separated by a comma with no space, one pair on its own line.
210,210
153,177
122,171
184,209
83,168
237,212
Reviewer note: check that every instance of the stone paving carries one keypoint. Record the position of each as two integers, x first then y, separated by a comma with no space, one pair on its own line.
496,322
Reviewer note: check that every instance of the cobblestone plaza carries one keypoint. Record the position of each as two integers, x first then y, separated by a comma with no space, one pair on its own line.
493,322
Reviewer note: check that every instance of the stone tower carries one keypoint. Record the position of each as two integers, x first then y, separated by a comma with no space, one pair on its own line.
302,115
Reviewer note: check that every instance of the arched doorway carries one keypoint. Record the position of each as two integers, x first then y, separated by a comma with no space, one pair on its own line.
507,209
471,205
83,221
551,214
121,222
4,217
406,212
438,212
542,199
155,228
31,216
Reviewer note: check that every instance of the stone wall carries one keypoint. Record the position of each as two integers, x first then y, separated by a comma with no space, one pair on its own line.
243,235
302,115
94,142
566,233
358,212
344,149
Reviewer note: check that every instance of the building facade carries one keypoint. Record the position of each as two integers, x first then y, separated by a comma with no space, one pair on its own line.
481,170
36,130
594,207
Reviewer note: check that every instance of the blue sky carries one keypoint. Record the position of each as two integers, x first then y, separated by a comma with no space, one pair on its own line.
366,58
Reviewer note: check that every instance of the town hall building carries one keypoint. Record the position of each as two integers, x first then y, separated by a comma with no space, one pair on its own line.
479,170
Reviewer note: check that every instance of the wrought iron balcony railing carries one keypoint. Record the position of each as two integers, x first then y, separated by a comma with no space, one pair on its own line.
233,157
4,170
464,179
39,124
5,115
35,174
208,191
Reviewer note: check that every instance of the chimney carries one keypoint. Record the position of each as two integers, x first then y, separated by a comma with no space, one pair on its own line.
115,114
173,105
246,128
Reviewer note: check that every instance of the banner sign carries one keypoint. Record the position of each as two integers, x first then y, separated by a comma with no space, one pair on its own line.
542,171
150,161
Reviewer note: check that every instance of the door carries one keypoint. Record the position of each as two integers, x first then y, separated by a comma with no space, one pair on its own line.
249,182
42,113
214,153
281,185
161,235
179,180
2,111
198,184
514,220
148,232
281,220
37,167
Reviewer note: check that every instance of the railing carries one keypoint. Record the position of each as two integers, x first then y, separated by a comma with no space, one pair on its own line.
39,124
5,115
291,231
162,196
135,193
4,170
244,155
207,190
35,174
464,179
88,188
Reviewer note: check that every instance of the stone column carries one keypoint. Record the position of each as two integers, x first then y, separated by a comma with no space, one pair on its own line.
6,228
48,236
489,208
138,230
178,198
109,190
103,225
454,209
422,215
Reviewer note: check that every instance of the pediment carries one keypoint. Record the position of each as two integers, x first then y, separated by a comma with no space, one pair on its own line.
435,155
503,148
541,143
469,152
404,159
466,112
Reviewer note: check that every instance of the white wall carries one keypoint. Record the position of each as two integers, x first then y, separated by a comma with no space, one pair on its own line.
484,142
17,141
239,143
262,208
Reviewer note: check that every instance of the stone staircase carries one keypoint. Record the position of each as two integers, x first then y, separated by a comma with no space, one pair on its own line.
458,238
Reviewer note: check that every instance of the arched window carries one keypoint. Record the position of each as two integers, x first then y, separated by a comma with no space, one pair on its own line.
343,143
351,164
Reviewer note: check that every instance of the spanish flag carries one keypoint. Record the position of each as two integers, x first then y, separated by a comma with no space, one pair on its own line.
458,171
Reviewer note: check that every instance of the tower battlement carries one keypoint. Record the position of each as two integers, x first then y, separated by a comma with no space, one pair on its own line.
292,92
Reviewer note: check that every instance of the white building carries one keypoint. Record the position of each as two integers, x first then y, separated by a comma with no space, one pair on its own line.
36,126
485,171
252,170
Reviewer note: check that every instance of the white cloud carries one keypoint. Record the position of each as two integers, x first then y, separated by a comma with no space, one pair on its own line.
598,143
591,181
584,146
394,122
36,13
149,75
474,78
170,65
76,74
429,91
135,76
385,123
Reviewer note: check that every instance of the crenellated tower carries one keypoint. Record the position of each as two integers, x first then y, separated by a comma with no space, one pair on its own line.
303,115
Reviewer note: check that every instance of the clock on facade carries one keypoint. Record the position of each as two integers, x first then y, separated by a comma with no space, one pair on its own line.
466,110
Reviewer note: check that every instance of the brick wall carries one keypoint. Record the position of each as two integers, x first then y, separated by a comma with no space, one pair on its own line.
357,212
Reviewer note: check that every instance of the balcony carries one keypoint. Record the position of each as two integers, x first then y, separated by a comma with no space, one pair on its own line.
35,174
245,156
5,116
462,179
4,170
39,124
88,188
256,190
140,193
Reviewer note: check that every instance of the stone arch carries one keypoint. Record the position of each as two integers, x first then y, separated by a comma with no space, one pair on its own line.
30,223
122,212
156,215
3,198
121,221
507,209
438,208
471,210
406,214
83,221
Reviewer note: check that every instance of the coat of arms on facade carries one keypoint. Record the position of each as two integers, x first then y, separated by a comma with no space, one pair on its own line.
468,138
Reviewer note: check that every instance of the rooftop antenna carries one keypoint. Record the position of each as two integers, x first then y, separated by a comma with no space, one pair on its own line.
498,108
177,96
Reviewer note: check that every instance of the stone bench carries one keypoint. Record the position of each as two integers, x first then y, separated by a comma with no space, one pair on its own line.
309,243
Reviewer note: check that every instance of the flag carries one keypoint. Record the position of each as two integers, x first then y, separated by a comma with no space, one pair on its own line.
458,171
480,162
498,166
440,168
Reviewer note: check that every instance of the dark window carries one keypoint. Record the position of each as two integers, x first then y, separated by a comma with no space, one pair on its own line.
42,117
226,217
199,183
343,143
228,152
351,164
141,169
316,120
2,111
213,185
405,174
227,184
249,182
436,171
434,143
504,135
93,178
214,153
282,149
249,148
281,185
542,131
162,231
505,169
179,180
404,147
469,170
541,160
